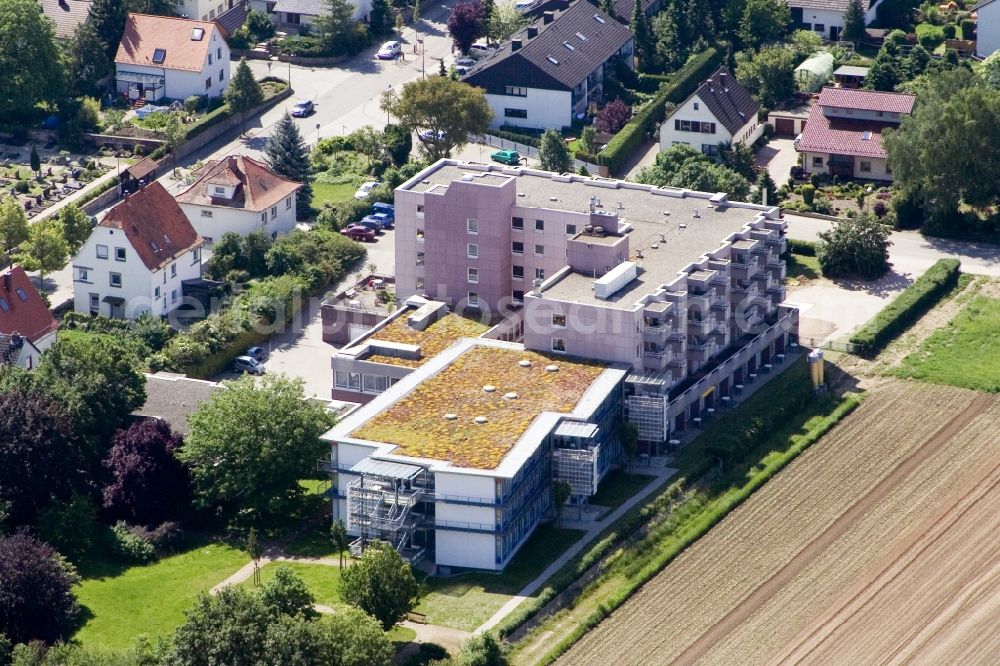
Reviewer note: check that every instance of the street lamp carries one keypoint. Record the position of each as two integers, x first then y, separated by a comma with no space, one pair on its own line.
423,58
317,132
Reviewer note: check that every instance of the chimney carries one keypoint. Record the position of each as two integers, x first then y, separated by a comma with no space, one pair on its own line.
515,45
548,17
532,32
6,281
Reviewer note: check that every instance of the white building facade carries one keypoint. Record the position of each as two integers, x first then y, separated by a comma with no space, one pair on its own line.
720,111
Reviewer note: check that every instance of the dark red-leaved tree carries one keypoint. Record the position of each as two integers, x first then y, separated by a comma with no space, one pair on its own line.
148,484
36,595
466,24
613,116
38,459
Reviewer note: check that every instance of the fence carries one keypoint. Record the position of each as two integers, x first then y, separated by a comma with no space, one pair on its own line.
832,345
531,151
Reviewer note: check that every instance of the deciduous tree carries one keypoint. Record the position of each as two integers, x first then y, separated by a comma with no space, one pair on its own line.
381,584
36,591
856,247
338,535
76,226
229,628
249,445
286,154
31,70
768,74
449,110
88,61
108,18
148,484
466,24
13,224
45,249
505,20
613,116
629,436
588,140
553,154
483,649
287,593
561,492
764,22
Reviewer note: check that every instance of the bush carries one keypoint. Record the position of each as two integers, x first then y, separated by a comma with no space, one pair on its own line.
801,247
948,30
684,82
968,28
909,306
208,120
907,210
192,103
240,39
71,527
259,24
129,546
857,247
929,36
808,194
164,537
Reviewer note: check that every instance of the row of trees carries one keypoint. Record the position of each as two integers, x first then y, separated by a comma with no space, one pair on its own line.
46,245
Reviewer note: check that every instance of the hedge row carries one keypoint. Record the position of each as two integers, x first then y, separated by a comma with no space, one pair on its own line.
683,82
909,306
222,113
802,247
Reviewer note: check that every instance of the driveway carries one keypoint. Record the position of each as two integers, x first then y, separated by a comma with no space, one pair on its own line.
779,156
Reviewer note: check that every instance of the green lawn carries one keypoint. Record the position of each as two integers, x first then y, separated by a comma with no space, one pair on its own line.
466,601
333,194
400,635
322,581
963,353
618,487
801,266
151,599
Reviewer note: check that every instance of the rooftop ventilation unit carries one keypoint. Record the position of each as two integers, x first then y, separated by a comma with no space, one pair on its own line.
599,18
612,281
696,213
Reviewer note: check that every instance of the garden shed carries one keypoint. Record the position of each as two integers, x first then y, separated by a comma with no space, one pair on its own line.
814,72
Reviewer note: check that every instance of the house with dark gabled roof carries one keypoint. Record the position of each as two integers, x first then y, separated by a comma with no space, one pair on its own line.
27,327
241,195
549,72
721,110
843,135
137,258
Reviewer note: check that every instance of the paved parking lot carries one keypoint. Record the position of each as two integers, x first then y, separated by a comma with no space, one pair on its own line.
779,156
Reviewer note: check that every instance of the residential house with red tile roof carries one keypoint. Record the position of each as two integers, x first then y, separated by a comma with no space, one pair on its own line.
843,135
27,327
164,57
721,110
241,195
137,258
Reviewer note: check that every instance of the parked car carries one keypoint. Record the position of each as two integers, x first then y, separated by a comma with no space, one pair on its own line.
303,108
479,50
248,365
366,189
430,136
368,221
509,157
387,221
389,51
359,233
256,353
385,208
464,61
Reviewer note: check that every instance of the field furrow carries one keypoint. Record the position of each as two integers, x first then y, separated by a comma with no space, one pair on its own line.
670,615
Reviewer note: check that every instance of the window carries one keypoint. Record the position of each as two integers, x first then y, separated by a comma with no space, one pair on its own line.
156,293
517,272
218,53
472,226
263,217
866,166
206,213
473,251
116,279
83,275
515,113
696,106
173,295
420,235
209,58
539,273
473,299
539,249
708,128
473,275
517,296
159,55
420,209
571,230
208,83
219,190
682,125
220,76
4,305
710,149
119,254
539,225
819,27
288,203
817,161
347,380
173,270
559,320
420,258
517,223
375,383
880,114
95,304
517,247
517,91
102,251
22,294
274,212
559,345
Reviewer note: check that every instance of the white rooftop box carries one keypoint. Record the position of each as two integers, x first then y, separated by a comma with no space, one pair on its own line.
619,276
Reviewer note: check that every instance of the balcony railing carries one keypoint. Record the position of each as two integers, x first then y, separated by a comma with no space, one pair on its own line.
662,354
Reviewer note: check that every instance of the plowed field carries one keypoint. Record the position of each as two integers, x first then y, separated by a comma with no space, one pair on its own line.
874,543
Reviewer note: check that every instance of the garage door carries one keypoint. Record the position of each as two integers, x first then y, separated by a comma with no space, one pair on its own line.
784,126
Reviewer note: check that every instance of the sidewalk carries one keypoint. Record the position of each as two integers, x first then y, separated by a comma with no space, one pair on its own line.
576,548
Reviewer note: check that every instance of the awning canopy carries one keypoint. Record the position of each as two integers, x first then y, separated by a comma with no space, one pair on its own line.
386,469
140,77
577,429
114,300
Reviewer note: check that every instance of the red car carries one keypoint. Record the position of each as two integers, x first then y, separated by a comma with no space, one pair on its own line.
359,233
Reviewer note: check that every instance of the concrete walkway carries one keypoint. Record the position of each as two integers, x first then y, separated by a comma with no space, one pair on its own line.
246,571
574,550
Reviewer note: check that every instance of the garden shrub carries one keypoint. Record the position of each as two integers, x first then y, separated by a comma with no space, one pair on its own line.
909,306
929,36
70,527
968,28
801,247
129,546
192,103
948,30
808,194
22,186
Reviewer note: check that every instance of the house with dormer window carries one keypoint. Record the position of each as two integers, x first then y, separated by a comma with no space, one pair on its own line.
164,57
137,258
721,110
27,327
241,195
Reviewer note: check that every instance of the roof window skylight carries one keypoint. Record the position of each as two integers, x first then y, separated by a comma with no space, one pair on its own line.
197,34
159,55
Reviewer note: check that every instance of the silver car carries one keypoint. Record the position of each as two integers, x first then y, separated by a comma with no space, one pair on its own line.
248,365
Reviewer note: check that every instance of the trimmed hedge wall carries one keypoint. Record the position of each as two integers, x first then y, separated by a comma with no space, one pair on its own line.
684,82
909,306
801,247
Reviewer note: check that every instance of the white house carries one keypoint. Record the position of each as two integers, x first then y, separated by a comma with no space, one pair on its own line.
552,70
296,14
163,57
987,27
137,258
241,195
27,327
826,17
719,111
208,10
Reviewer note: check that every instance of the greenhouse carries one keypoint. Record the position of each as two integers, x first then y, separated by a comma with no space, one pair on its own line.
812,74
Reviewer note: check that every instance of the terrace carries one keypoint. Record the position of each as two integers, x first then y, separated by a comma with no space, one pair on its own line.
475,409
434,339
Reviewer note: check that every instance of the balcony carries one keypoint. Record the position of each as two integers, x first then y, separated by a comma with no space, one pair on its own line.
701,326
657,358
741,291
779,243
778,268
746,270
701,299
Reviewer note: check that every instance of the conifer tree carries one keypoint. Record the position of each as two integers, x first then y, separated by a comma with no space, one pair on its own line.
286,154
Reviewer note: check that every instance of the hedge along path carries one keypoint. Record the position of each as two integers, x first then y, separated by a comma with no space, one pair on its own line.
714,576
